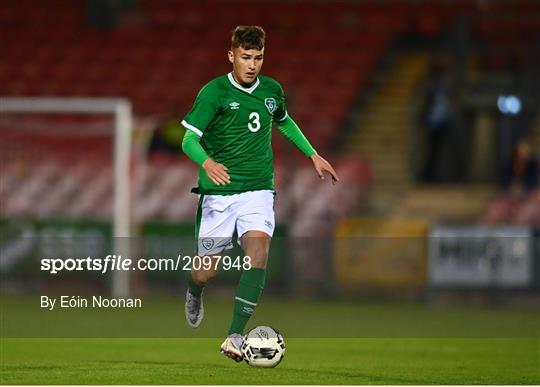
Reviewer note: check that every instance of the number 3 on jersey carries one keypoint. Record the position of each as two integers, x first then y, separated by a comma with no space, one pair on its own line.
254,124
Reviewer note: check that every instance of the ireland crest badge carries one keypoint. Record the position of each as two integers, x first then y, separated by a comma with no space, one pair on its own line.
270,104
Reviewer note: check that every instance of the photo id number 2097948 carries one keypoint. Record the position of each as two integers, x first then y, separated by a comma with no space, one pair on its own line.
213,262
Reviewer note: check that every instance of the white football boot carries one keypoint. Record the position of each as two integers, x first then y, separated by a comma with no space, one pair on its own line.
232,345
194,310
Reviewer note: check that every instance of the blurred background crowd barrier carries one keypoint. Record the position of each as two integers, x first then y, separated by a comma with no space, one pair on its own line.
428,110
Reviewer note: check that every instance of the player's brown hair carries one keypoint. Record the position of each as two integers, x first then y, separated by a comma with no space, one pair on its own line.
248,37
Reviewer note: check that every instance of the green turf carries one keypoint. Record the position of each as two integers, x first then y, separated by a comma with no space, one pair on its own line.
164,317
396,343
307,361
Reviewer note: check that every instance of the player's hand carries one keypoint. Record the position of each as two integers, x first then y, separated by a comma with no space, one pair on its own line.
321,166
216,172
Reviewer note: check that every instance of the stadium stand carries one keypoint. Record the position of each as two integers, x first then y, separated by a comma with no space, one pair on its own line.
164,51
160,61
509,208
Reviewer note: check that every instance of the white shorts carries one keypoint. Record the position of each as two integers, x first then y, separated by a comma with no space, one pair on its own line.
218,216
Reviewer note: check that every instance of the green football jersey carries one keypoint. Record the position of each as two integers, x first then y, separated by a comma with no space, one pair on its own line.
235,124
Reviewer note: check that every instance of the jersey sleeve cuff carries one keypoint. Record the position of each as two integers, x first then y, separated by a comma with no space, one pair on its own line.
192,128
284,117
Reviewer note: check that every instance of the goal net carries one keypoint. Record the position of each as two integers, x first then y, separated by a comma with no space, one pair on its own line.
69,159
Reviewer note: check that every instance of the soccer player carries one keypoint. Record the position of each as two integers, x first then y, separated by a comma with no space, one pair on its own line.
228,134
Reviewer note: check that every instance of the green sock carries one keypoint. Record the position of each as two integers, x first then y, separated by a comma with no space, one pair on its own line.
194,289
248,291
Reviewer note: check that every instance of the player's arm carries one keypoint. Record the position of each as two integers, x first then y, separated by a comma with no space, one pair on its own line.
191,145
196,121
293,133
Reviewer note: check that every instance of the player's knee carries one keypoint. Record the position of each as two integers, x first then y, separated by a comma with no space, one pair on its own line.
259,261
256,246
202,276
258,256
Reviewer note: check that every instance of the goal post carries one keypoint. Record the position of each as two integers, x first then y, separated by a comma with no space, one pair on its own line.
123,126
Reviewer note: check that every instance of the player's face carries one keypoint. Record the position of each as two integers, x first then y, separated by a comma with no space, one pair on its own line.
246,64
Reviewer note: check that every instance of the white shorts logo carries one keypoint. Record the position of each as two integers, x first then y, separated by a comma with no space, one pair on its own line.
208,243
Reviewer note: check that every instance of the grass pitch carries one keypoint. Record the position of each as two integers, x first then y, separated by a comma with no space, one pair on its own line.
307,361
357,343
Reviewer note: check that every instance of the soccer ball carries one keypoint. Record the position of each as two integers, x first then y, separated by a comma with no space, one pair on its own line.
263,347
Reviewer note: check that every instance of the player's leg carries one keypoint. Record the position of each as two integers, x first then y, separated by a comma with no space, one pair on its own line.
256,245
214,227
255,224
198,278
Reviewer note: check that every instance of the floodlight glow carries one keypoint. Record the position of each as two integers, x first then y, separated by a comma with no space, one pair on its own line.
509,104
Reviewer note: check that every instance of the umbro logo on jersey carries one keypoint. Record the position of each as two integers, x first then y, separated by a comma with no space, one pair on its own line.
234,105
270,104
